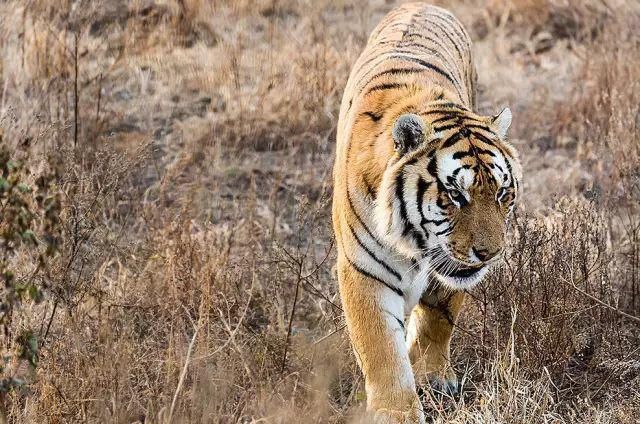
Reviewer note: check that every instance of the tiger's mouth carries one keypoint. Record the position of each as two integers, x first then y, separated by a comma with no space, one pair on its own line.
456,274
457,270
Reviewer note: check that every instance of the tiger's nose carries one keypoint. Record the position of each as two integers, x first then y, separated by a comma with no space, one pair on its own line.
485,254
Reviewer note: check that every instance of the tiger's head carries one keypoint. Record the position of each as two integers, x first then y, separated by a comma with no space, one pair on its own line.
448,190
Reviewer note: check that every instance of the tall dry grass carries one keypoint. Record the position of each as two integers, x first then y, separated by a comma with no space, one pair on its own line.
192,142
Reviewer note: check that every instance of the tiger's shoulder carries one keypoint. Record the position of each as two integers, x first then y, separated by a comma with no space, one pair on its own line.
417,54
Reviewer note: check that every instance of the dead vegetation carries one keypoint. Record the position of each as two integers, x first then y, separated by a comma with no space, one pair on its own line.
191,144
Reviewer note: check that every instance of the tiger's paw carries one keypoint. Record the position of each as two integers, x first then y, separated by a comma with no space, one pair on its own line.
391,416
441,384
446,386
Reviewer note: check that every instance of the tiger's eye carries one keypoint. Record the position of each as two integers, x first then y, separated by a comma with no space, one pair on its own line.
457,197
504,195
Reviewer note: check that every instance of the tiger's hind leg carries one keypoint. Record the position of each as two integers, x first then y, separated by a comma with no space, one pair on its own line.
428,338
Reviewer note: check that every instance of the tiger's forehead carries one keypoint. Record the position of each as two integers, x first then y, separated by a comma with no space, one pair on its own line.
470,162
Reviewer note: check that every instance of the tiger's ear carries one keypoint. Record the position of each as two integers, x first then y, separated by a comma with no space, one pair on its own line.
502,122
409,131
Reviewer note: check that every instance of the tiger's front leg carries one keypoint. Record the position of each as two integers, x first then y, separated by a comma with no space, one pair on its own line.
374,315
428,338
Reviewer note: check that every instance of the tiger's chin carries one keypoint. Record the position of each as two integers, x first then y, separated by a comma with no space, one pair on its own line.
462,277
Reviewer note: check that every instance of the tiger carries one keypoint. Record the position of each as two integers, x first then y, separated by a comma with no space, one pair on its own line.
423,190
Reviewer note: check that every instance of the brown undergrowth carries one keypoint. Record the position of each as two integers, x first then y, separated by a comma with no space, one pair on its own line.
190,144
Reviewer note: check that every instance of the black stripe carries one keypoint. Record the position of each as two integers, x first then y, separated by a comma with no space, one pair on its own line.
413,160
455,173
444,232
422,189
394,71
453,106
397,319
432,167
450,113
403,207
436,222
492,177
436,47
387,86
423,186
441,201
419,239
429,66
373,255
484,152
455,110
484,139
373,277
422,49
375,117
482,127
353,209
444,118
381,132
509,168
469,119
451,140
442,196
445,127
408,226
380,57
462,154
455,24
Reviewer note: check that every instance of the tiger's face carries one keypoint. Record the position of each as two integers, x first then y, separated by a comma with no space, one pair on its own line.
447,194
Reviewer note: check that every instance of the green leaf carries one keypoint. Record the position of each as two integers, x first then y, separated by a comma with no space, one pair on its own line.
24,188
33,343
34,293
29,344
29,236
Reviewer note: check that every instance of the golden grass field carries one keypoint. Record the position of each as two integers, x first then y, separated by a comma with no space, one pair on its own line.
188,147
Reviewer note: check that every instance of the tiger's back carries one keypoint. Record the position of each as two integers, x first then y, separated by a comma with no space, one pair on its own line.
415,43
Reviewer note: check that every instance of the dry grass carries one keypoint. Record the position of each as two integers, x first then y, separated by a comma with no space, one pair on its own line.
195,282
